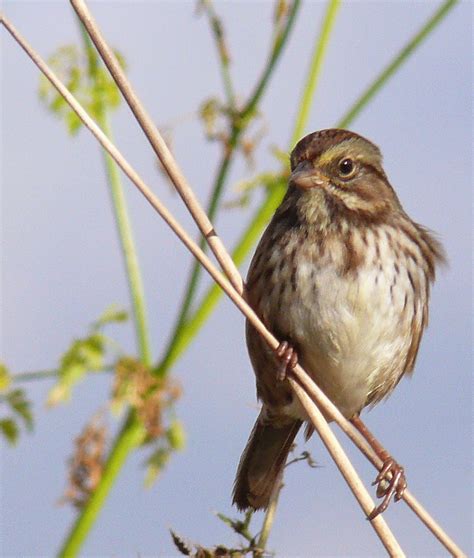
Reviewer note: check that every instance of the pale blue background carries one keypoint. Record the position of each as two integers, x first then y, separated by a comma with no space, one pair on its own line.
61,267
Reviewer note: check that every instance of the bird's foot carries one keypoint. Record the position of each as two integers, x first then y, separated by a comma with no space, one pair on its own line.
391,482
288,360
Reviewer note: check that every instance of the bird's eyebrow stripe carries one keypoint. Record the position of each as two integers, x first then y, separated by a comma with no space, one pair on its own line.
348,148
337,150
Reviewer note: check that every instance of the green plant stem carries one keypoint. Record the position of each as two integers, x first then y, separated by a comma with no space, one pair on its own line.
320,47
267,523
224,60
32,376
132,267
192,283
132,433
122,220
130,437
237,130
46,374
399,59
228,86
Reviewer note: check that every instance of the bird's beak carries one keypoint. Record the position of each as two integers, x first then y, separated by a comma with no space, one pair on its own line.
305,176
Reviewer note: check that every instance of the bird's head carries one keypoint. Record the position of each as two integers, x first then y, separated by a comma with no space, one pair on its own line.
344,170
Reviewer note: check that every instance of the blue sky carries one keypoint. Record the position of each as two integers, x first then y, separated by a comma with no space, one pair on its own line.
61,267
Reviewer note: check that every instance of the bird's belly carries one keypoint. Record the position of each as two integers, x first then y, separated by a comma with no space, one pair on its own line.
349,331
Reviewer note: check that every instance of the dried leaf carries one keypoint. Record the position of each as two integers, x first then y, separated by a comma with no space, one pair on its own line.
135,385
180,544
87,463
210,113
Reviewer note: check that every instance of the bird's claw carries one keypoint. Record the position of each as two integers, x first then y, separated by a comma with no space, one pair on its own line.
288,360
391,482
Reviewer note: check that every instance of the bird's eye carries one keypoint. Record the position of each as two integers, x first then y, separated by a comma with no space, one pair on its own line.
346,167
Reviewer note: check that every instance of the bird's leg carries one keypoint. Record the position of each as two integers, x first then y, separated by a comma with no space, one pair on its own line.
391,479
288,359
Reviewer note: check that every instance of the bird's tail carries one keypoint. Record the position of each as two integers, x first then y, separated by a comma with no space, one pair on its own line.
262,462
